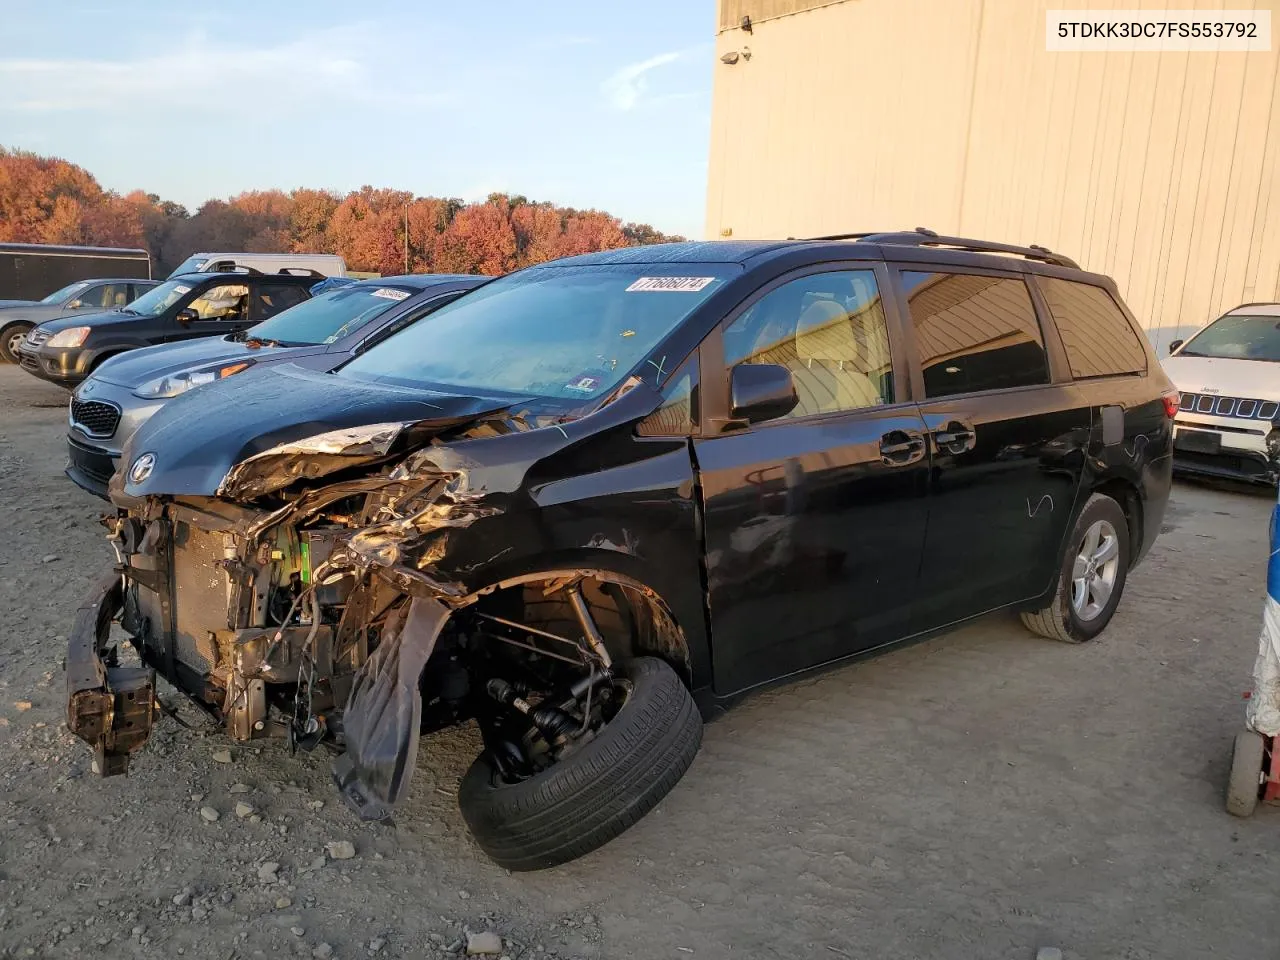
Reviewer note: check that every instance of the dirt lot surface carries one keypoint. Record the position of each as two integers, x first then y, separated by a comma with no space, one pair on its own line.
976,796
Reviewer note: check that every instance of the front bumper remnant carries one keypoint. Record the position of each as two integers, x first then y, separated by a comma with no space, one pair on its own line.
111,708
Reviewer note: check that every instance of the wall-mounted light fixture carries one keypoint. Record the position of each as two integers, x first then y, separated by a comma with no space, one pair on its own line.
746,23
730,58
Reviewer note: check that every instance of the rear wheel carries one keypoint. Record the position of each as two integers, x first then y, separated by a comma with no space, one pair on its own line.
1094,567
599,789
10,337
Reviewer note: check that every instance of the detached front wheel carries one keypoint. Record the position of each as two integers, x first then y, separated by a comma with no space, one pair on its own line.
597,791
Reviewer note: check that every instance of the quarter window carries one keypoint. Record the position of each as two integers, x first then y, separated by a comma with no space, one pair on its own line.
829,330
678,415
1099,340
974,333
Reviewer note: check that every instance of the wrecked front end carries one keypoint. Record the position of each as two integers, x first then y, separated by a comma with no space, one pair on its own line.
268,611
304,596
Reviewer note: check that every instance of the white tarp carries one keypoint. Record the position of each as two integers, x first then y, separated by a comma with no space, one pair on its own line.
1264,705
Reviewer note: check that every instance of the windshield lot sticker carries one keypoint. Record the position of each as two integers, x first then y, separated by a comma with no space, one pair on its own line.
669,284
387,293
583,384
180,289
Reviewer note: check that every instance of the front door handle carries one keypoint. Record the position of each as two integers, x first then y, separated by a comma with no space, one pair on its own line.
901,447
954,437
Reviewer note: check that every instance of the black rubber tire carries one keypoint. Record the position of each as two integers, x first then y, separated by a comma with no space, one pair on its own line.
1058,621
1244,783
7,355
596,793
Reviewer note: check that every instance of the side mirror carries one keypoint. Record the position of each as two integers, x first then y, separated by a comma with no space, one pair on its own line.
761,391
1173,347
185,317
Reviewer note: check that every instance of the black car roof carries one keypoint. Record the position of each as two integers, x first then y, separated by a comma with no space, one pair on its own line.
918,245
697,251
420,281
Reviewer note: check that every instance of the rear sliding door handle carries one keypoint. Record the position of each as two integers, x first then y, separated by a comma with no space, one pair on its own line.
954,437
900,447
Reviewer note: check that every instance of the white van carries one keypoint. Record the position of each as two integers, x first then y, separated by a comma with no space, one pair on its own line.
329,264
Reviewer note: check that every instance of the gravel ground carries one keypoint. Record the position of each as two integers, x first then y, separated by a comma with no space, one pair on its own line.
980,795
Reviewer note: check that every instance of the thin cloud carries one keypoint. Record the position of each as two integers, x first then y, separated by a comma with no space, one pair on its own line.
625,88
325,66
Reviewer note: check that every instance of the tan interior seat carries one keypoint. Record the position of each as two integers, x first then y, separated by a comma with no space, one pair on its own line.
830,377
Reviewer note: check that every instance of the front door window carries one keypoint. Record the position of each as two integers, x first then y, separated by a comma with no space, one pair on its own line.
224,302
829,330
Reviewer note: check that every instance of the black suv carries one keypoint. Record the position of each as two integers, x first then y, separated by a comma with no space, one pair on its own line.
66,350
596,498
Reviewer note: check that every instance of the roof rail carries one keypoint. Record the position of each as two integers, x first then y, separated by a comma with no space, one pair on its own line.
923,237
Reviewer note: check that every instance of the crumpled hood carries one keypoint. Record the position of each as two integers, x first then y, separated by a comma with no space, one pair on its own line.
1250,379
135,367
197,437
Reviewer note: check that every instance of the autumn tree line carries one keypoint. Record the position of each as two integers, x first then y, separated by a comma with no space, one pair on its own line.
48,200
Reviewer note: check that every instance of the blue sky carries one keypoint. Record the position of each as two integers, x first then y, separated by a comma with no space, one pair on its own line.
586,103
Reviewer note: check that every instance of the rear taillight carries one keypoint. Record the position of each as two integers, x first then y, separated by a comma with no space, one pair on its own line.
1172,400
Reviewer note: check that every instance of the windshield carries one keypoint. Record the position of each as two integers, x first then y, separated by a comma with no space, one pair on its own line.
331,315
159,299
190,265
571,332
1237,337
58,296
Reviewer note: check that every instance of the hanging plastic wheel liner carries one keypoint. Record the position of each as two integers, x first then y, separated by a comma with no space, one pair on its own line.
384,712
1255,767
585,721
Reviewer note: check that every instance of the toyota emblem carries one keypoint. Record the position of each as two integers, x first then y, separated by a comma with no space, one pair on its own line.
142,468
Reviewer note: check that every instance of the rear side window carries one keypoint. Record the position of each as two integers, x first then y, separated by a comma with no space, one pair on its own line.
974,333
1098,337
271,298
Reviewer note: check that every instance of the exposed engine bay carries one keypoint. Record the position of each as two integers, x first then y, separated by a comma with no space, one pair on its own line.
318,614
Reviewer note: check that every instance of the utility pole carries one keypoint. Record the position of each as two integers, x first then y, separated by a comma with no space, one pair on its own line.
406,238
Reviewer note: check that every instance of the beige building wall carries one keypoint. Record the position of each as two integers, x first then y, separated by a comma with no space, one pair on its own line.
1160,169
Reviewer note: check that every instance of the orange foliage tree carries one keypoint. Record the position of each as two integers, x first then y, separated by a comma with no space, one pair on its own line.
48,200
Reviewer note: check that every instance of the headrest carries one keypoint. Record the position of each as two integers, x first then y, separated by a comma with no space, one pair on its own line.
825,333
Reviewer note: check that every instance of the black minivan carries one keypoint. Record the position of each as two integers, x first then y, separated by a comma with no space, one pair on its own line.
590,503
67,349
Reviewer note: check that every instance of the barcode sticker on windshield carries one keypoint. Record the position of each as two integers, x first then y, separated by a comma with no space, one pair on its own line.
180,289
669,284
389,293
